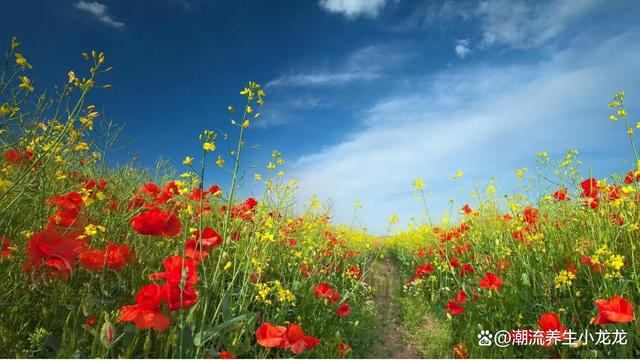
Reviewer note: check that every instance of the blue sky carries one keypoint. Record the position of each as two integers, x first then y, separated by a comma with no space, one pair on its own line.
364,96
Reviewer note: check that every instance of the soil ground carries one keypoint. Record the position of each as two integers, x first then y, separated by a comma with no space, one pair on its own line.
395,338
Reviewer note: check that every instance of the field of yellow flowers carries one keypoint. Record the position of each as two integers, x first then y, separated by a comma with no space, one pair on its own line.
111,262
126,262
556,276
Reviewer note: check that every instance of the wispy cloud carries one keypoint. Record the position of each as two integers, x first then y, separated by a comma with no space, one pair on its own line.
455,119
433,14
100,11
365,64
353,8
522,24
322,78
462,48
511,23
288,109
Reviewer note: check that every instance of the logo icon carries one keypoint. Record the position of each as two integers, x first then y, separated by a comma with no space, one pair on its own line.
485,338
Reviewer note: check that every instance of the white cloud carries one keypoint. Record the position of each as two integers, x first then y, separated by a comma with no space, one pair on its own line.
100,11
353,8
288,109
365,64
522,24
462,48
322,78
485,120
432,15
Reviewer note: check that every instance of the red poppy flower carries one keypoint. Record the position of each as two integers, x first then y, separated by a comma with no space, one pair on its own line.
115,257
344,309
616,219
172,275
324,291
180,298
468,268
467,209
551,322
343,349
5,250
424,269
156,222
590,188
91,321
490,282
459,352
54,250
530,215
69,206
214,190
631,177
615,193
453,308
168,192
614,310
150,189
136,202
304,269
195,195
146,312
297,341
561,195
198,249
355,271
16,157
245,210
226,355
271,336
210,238
462,297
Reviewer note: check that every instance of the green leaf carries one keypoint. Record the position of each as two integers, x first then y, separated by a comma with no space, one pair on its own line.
203,336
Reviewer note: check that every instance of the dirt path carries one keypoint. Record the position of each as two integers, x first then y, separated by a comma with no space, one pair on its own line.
394,342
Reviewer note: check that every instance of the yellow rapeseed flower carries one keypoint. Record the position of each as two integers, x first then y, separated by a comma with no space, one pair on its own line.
418,184
5,185
520,172
81,146
4,109
25,83
208,146
187,161
21,61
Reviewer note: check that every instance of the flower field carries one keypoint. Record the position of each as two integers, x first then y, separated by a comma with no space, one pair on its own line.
102,261
556,276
